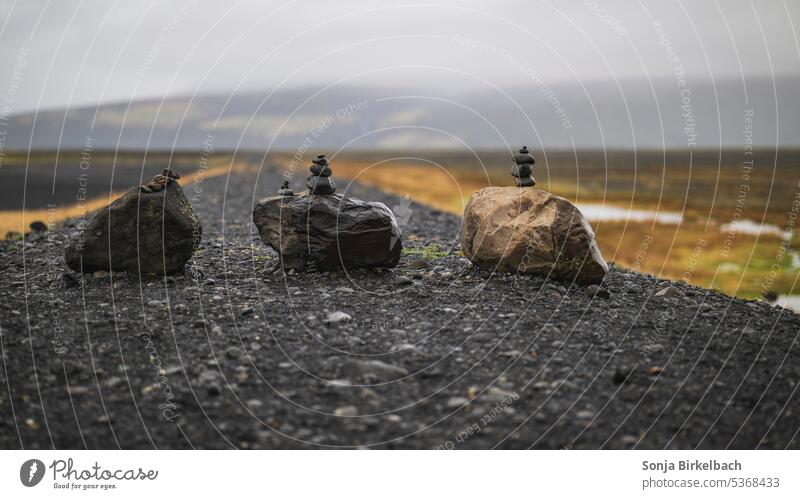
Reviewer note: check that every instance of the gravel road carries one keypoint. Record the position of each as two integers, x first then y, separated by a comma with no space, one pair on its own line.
433,354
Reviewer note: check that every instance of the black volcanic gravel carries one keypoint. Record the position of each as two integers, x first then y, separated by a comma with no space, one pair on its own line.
470,359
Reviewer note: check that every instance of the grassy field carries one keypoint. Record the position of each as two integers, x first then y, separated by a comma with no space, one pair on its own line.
683,200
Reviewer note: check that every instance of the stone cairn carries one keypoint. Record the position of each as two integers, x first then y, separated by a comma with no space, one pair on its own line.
321,230
530,231
523,168
158,182
320,181
286,189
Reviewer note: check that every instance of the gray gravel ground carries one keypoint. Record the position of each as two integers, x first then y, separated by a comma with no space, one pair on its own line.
435,353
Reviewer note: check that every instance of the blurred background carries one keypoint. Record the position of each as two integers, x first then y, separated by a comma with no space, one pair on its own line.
674,125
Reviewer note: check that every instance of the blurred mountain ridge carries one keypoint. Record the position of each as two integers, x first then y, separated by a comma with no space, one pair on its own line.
627,114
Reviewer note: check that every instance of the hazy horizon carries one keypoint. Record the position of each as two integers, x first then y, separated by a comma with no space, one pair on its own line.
103,52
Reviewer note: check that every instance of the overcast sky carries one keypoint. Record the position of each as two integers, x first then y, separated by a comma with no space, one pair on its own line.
70,52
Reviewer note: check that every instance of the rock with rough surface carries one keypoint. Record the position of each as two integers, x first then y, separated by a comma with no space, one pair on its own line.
329,232
144,230
531,231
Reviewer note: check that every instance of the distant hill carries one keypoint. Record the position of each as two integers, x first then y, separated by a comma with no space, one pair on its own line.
624,115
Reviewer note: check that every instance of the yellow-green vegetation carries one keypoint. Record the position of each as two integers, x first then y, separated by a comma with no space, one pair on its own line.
429,252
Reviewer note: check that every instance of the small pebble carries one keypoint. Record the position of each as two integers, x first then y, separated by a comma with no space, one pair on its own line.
454,402
346,411
338,317
418,265
402,280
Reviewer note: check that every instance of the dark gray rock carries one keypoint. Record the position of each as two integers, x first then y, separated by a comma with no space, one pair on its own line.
38,226
152,232
402,280
329,232
595,291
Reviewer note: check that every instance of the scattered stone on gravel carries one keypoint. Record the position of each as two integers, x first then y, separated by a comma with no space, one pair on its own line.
403,347
550,330
669,292
338,317
77,391
210,380
214,389
528,230
113,382
594,290
629,439
142,231
233,352
346,411
621,375
70,366
339,383
633,288
352,369
254,404
418,264
402,280
495,395
454,402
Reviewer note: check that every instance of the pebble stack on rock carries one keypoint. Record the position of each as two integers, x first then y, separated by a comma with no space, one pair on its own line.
527,230
320,181
150,229
286,189
321,230
523,168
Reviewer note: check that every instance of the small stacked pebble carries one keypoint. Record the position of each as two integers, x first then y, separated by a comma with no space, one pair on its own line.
320,182
158,182
523,168
286,189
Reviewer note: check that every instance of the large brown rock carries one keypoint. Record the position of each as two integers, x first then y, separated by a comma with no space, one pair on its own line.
530,231
328,232
152,232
